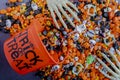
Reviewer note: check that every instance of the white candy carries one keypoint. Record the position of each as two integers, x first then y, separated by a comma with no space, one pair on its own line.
55,67
107,9
89,6
8,23
117,1
34,6
116,10
109,33
88,74
72,18
74,45
85,34
112,50
64,43
66,66
71,63
57,34
75,69
76,37
81,28
97,30
97,64
76,58
91,33
93,42
107,30
97,40
104,70
109,36
61,58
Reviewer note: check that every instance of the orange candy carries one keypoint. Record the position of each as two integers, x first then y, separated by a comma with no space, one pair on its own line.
12,0
111,14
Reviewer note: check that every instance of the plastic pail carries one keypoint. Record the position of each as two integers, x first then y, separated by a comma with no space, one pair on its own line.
25,51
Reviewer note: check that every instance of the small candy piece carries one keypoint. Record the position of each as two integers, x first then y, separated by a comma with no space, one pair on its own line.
12,1
117,13
89,6
112,50
64,43
66,66
92,42
97,64
57,34
39,11
105,15
104,70
90,59
107,9
58,42
61,58
44,32
111,14
8,23
34,6
71,63
107,41
27,13
79,47
77,68
115,45
28,4
76,37
97,30
64,33
91,33
55,67
76,58
80,28
22,8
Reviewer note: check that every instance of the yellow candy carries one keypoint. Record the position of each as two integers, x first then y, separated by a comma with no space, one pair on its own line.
98,9
35,1
48,23
22,8
119,6
97,78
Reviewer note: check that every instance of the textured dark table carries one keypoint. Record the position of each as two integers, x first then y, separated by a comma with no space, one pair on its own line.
6,72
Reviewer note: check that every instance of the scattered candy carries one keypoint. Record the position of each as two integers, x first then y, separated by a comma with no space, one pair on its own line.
8,23
34,6
89,6
94,31
77,69
54,68
90,59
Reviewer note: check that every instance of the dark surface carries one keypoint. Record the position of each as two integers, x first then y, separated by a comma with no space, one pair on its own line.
6,72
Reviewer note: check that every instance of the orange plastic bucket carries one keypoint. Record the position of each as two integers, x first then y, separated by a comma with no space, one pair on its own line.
25,51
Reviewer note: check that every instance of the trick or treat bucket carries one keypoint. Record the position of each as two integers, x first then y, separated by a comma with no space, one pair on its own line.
25,51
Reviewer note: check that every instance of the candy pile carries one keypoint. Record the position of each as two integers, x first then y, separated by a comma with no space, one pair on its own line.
88,44
18,15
